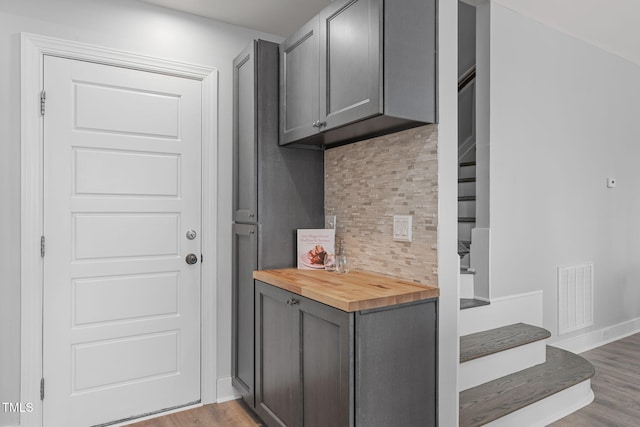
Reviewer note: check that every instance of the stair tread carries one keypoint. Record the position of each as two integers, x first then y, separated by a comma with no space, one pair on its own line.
489,342
466,198
467,219
495,399
463,164
471,179
466,303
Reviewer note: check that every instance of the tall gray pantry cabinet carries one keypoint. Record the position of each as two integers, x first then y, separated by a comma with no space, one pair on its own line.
276,190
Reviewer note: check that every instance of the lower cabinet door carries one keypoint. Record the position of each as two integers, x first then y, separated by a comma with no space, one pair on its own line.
245,260
326,363
277,378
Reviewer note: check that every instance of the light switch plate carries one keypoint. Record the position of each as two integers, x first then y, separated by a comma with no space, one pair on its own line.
402,228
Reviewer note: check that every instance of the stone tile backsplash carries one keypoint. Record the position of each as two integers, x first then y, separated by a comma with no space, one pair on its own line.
368,182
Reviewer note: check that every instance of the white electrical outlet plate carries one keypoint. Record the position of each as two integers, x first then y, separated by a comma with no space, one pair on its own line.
402,228
330,221
611,182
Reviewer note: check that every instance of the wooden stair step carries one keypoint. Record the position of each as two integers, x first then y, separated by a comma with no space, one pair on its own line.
467,219
495,399
489,342
466,198
471,179
463,164
466,303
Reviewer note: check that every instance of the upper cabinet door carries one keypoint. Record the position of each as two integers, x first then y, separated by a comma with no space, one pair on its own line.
245,148
299,84
350,61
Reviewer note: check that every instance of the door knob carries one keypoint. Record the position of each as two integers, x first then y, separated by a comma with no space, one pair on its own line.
191,259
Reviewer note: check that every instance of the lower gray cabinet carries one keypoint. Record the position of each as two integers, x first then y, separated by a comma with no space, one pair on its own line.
320,366
303,360
245,260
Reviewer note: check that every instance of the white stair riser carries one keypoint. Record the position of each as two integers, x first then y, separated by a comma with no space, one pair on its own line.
466,189
497,365
526,308
467,171
464,230
466,285
546,411
467,208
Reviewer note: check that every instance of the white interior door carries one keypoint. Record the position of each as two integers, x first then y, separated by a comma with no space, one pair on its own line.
122,187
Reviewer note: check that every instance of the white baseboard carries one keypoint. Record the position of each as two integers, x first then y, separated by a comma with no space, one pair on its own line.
226,391
525,308
593,339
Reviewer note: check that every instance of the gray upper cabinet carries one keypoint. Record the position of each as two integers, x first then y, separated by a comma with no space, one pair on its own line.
299,83
350,52
245,152
375,72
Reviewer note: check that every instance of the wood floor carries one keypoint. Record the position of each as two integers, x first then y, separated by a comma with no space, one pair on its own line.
616,386
228,414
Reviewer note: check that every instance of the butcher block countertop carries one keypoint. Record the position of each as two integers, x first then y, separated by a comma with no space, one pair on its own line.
353,291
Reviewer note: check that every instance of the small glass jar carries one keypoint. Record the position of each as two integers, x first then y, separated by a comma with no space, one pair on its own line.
342,263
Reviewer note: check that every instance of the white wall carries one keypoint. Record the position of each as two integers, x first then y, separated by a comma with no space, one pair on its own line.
448,260
564,117
120,24
611,25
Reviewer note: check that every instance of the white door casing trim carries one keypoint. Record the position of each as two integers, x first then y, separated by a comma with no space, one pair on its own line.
33,50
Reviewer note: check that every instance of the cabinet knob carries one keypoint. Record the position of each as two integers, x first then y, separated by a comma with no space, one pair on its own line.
321,124
293,301
316,124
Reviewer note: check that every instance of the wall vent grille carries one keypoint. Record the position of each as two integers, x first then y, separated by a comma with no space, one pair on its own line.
575,298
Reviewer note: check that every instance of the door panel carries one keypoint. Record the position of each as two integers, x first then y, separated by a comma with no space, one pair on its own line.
122,186
93,110
93,173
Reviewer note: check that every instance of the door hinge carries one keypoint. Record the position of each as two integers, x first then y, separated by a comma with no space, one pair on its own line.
41,388
42,246
43,97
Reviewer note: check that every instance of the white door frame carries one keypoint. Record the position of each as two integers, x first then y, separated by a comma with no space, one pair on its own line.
33,50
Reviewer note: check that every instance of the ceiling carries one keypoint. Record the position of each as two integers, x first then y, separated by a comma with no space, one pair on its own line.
278,17
612,25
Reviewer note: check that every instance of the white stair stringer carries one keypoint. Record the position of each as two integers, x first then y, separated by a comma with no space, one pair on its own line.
550,409
488,368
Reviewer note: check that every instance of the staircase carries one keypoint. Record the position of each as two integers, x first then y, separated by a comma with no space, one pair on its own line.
466,223
466,182
466,209
510,377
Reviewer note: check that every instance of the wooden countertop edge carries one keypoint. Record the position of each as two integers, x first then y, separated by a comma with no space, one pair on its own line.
316,293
